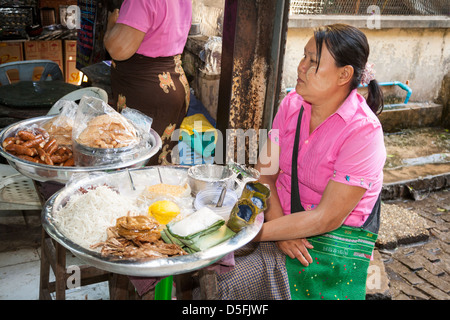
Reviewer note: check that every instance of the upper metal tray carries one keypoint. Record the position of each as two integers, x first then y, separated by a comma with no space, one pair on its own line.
43,172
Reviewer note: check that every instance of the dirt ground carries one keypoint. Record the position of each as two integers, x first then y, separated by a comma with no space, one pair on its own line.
413,153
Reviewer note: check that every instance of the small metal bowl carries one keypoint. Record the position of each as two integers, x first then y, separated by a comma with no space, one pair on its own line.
205,176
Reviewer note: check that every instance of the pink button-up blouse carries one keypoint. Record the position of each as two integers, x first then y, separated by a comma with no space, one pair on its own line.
165,22
348,147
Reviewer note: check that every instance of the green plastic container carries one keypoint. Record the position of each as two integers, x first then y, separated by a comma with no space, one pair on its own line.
163,290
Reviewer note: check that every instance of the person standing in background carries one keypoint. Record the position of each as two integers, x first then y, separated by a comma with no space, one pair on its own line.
145,39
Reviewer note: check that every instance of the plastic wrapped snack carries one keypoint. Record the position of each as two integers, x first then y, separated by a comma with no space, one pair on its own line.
102,136
99,126
198,231
60,127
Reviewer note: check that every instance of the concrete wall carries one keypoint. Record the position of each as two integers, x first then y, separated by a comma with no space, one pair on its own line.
403,48
421,56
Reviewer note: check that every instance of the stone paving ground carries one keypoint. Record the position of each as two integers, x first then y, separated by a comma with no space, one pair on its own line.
416,256
413,244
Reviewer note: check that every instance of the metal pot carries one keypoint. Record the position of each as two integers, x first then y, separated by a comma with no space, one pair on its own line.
205,176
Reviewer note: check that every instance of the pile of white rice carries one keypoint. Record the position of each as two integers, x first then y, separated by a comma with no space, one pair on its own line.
86,217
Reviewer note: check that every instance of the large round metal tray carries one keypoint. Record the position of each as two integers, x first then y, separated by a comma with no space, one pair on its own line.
43,172
144,268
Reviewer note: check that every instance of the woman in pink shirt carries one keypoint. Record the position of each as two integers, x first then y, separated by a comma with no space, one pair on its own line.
145,40
322,224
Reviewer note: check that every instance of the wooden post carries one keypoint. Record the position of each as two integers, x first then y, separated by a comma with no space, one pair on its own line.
254,36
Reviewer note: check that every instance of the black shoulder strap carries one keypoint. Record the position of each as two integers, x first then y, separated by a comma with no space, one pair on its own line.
372,223
296,204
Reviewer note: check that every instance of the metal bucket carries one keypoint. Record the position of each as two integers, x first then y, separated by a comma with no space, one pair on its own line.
205,176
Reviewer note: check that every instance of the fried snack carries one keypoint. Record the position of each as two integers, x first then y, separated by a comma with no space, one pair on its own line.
25,135
108,131
137,237
33,143
20,150
39,147
138,228
60,128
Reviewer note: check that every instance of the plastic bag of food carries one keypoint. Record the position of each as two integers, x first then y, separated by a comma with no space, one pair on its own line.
25,141
97,125
140,120
103,136
211,55
45,142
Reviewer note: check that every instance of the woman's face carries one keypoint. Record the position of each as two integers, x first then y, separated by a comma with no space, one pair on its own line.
315,85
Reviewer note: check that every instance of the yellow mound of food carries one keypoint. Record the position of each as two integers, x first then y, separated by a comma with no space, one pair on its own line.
163,211
163,189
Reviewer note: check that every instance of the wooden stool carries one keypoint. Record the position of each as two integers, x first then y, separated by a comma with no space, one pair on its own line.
205,279
53,257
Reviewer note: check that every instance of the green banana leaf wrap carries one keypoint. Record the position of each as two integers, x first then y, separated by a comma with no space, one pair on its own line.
215,234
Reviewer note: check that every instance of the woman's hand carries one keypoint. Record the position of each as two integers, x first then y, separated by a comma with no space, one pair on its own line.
297,248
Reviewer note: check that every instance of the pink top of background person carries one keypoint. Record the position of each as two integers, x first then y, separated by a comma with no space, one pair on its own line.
164,22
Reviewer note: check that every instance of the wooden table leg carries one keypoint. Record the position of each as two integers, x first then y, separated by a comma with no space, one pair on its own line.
53,257
149,295
184,284
60,272
121,288
208,284
118,287
44,290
